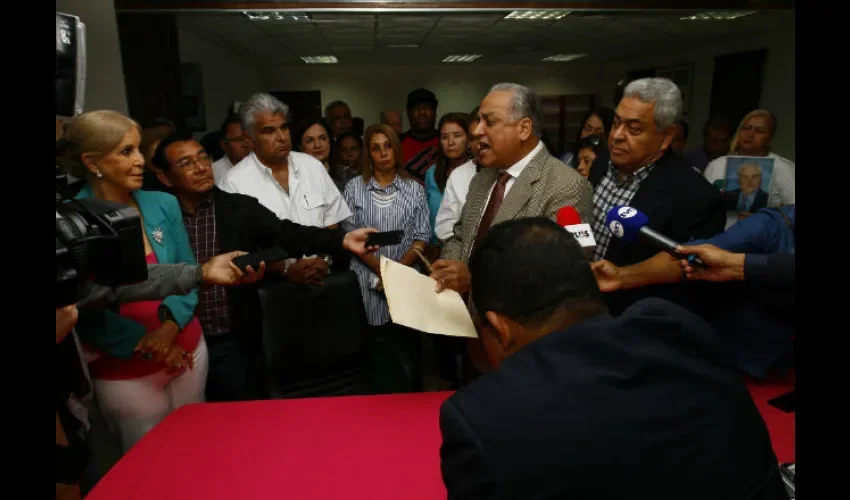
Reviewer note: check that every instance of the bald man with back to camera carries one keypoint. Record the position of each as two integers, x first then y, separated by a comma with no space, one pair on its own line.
585,406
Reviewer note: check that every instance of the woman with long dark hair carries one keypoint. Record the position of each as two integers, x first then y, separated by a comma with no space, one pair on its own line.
596,122
314,138
453,131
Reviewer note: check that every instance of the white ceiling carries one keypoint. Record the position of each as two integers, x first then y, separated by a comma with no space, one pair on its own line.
357,38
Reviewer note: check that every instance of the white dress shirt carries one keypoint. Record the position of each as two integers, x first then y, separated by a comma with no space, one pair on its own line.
514,172
220,168
454,197
782,184
313,198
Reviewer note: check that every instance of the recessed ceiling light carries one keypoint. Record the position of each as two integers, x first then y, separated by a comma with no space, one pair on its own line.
276,16
563,57
718,16
461,58
525,15
319,59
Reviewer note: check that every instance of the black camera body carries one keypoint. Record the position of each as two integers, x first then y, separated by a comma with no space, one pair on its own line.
99,241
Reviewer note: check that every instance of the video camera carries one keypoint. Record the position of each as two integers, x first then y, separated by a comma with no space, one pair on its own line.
96,240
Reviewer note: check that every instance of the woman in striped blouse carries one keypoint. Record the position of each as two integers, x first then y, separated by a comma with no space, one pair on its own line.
387,198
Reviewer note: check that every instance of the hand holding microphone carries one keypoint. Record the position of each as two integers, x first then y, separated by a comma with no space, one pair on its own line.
722,265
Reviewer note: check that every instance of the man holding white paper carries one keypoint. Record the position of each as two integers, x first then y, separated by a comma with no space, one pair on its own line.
519,179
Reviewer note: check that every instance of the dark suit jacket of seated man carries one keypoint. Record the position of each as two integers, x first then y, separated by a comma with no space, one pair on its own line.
583,405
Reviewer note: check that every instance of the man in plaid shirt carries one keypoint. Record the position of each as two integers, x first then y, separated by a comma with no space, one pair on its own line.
642,172
218,222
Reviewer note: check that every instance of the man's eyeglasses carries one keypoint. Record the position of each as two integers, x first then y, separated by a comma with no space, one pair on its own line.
198,162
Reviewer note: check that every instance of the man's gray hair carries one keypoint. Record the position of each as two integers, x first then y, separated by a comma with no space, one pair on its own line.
335,104
256,104
664,93
525,104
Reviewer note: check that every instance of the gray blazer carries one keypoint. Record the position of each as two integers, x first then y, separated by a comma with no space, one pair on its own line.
543,187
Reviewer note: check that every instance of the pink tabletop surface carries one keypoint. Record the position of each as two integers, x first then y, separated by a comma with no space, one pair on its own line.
780,424
360,447
369,447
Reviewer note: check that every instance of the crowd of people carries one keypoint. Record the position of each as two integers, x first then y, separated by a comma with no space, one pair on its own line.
584,352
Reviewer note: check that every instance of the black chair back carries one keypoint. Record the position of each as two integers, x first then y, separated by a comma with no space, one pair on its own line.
313,338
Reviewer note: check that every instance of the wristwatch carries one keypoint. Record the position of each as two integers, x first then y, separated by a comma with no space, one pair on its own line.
287,265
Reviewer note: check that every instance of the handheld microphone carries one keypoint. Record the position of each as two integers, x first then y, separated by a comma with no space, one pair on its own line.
630,224
569,219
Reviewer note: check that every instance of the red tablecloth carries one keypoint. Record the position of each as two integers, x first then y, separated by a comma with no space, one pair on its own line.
364,447
367,447
779,423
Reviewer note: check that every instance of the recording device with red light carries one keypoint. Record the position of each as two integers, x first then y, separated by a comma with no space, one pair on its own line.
569,219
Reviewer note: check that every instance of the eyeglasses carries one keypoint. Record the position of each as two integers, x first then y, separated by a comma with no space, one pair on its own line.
202,160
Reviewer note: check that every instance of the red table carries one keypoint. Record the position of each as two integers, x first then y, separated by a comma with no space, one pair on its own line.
369,447
781,425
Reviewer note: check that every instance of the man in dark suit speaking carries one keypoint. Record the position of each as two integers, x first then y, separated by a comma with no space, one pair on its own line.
583,405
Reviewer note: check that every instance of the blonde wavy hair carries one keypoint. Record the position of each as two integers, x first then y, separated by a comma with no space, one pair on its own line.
95,133
733,146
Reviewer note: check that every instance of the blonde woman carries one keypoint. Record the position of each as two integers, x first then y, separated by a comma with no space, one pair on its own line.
387,198
151,356
753,139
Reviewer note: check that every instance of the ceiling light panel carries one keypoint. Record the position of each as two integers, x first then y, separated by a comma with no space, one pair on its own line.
255,15
538,15
461,58
320,59
563,57
718,16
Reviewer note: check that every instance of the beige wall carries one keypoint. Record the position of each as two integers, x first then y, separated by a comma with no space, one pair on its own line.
104,73
226,76
778,90
369,89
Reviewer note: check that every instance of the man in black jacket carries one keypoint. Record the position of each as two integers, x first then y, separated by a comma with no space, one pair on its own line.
643,173
219,222
583,405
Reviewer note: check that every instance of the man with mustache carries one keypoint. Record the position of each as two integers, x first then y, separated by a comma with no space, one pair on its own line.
519,178
644,173
218,222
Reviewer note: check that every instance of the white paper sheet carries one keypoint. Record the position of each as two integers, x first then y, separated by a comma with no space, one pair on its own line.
414,302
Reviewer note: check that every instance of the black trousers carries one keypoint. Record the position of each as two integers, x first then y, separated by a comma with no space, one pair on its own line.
395,354
231,374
